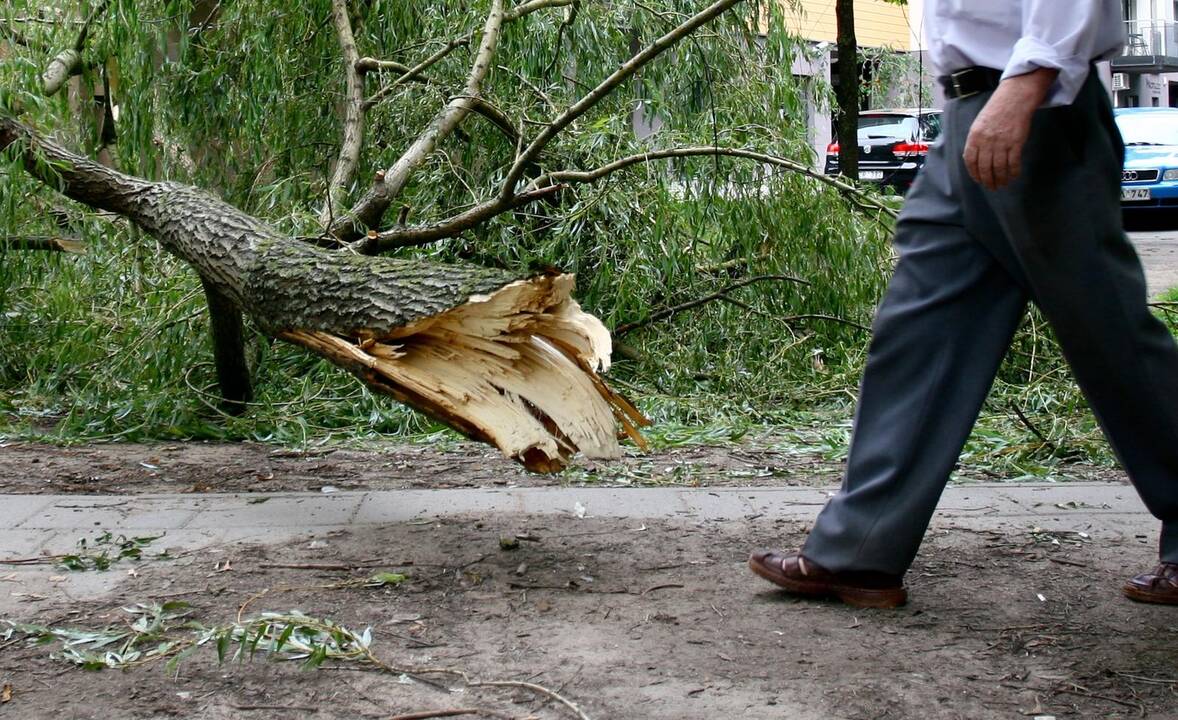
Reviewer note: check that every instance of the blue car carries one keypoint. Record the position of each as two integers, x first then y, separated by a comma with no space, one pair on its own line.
1149,181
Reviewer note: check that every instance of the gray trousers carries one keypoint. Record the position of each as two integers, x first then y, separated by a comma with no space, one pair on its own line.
970,260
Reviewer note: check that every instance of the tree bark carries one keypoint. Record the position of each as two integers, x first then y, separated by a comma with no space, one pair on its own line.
846,90
509,361
227,333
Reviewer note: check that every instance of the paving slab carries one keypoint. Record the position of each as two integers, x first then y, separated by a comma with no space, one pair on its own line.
199,528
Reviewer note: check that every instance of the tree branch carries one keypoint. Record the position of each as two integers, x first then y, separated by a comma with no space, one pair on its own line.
349,152
68,62
50,243
400,237
718,295
552,183
586,176
606,86
407,73
369,210
372,206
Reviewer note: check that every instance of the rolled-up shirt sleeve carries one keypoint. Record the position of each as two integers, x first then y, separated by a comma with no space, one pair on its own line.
1059,35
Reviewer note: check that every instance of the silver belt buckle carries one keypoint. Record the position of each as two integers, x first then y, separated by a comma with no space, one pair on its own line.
958,91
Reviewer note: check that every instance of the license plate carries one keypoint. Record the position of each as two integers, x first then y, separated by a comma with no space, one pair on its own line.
878,175
1134,194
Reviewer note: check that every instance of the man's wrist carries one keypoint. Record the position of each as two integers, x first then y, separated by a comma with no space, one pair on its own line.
1033,86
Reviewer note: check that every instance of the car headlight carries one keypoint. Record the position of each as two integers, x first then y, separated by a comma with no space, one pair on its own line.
1170,175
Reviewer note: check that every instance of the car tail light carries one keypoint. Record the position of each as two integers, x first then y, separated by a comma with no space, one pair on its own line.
832,149
910,150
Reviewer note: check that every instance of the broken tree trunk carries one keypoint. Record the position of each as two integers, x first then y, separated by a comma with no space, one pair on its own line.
512,362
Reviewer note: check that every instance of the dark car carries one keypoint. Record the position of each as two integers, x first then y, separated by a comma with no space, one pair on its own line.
1149,180
893,144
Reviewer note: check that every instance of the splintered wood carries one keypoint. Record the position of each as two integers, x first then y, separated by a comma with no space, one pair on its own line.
517,369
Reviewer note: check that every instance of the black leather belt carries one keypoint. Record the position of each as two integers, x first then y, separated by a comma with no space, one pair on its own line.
970,81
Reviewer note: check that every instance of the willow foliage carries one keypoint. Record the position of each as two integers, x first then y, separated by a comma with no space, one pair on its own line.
248,103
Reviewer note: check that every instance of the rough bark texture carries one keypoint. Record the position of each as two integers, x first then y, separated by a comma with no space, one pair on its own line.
228,336
509,361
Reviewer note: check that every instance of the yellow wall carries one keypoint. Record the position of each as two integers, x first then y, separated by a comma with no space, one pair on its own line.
877,23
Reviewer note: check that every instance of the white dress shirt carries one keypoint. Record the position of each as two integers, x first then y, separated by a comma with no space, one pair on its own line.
1020,36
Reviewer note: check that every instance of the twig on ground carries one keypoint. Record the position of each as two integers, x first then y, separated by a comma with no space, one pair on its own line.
304,708
424,714
668,586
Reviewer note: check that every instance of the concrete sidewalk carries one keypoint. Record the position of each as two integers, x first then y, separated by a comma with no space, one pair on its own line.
34,525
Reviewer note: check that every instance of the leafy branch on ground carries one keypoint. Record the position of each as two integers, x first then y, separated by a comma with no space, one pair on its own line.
168,633
101,552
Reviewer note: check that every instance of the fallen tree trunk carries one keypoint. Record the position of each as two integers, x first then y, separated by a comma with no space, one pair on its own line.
509,361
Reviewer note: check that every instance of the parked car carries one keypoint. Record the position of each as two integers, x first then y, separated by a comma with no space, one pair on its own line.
1149,180
893,144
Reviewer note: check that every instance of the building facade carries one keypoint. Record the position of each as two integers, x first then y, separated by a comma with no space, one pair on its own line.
1146,73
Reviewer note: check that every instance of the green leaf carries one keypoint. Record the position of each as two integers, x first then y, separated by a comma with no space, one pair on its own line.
386,578
223,641
318,655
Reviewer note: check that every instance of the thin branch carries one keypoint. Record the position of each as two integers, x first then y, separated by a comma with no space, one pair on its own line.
607,86
1034,430
718,295
349,152
555,181
50,243
369,210
389,185
831,318
574,176
423,715
407,73
552,694
68,62
451,227
527,8
570,17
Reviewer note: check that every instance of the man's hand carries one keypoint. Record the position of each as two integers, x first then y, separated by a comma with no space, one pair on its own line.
994,148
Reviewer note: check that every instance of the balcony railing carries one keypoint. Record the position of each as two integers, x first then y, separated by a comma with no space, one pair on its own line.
1150,38
1151,46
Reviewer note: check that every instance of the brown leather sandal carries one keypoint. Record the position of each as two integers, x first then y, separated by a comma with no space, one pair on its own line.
1157,586
799,576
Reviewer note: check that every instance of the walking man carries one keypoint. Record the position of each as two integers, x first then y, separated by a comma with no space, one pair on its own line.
1019,201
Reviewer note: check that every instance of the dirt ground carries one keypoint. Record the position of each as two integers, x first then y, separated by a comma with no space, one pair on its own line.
659,620
199,467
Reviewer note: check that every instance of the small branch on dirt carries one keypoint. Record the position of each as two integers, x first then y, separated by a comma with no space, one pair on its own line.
1061,561
354,107
1081,692
329,566
68,62
534,688
719,294
303,708
49,243
668,586
1150,681
861,199
425,714
43,560
529,155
